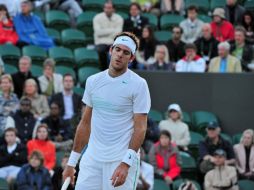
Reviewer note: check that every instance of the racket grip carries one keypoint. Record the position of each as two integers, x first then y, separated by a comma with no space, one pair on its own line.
66,183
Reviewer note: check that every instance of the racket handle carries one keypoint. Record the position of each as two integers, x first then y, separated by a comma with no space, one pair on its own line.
66,183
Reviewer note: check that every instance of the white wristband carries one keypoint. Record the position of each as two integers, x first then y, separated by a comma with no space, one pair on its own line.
73,159
129,157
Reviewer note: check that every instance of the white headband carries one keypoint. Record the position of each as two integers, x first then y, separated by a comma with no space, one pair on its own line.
127,41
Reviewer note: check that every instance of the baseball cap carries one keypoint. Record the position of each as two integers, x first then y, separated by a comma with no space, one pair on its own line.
212,125
175,107
220,152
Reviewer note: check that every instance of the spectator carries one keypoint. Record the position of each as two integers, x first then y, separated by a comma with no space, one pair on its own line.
161,59
165,159
191,62
244,152
222,176
175,45
69,102
172,6
44,145
225,62
191,26
50,82
12,156
135,23
152,6
106,25
30,28
7,32
234,12
212,142
12,6
33,175
248,24
222,30
42,5
59,130
179,130
207,44
40,107
22,75
24,120
145,54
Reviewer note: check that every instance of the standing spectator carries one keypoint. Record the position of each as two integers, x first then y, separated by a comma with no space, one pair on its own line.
191,62
207,44
135,23
7,32
12,156
30,28
50,82
24,120
22,75
44,145
234,12
175,45
222,176
222,30
13,6
225,62
240,49
172,6
34,175
40,107
178,129
106,25
191,26
248,24
244,152
165,159
212,142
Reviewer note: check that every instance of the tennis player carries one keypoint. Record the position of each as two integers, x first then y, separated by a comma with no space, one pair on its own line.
113,124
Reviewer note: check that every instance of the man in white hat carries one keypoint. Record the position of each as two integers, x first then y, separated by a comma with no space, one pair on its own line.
222,30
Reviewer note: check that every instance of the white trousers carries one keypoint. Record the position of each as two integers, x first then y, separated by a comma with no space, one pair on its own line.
9,171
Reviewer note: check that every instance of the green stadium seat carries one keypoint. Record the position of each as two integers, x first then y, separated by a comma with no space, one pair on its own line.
57,19
203,5
123,14
194,143
73,38
59,157
64,70
160,184
217,3
246,184
227,137
249,5
168,21
85,72
3,184
163,36
37,54
237,138
155,115
187,119
10,54
205,18
63,56
79,90
188,165
36,70
153,20
122,5
93,5
41,15
55,34
10,69
178,182
86,57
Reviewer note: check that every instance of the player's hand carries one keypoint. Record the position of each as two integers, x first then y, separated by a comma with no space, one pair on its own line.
120,174
69,171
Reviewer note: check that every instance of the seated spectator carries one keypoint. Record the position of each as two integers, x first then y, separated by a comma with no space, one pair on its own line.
22,75
191,62
12,6
222,176
106,25
12,156
248,24
70,103
234,12
161,61
40,107
178,129
33,175
44,145
222,30
30,28
191,26
172,6
50,82
145,54
244,153
175,45
60,131
135,23
7,32
24,120
152,6
207,44
212,142
240,49
224,63
165,159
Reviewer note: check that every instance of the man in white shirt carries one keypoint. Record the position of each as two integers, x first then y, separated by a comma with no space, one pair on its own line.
113,125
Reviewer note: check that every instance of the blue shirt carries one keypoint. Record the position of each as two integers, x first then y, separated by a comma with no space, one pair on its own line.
68,106
223,65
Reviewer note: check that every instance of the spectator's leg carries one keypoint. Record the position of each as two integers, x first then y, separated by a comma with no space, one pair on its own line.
102,50
4,172
167,5
178,5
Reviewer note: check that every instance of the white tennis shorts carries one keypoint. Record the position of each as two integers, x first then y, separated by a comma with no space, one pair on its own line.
94,175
